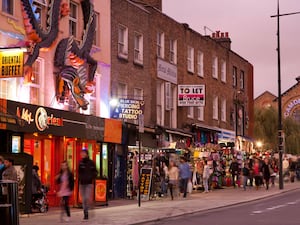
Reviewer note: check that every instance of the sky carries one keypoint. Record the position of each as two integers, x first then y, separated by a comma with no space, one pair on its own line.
253,34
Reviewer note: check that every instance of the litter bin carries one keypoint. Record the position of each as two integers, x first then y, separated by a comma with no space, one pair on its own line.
9,206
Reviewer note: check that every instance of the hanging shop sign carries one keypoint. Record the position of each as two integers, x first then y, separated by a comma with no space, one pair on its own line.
166,71
145,183
128,109
11,63
191,95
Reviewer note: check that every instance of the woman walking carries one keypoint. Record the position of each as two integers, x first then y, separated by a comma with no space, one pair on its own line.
65,179
173,178
266,172
206,175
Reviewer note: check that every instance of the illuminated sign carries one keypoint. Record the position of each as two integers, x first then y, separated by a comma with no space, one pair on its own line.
191,95
11,63
42,119
293,103
128,109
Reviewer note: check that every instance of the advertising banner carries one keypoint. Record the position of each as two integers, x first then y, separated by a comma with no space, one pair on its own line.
128,109
191,95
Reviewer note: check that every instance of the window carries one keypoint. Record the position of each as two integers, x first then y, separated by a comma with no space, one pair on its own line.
223,110
234,77
138,48
159,104
40,11
190,113
242,80
73,19
215,108
35,81
190,59
223,71
123,42
160,45
173,111
96,40
173,51
122,90
200,64
8,6
215,67
168,95
138,93
4,88
201,113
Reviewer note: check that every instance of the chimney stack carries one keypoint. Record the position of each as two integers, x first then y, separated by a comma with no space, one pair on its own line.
222,38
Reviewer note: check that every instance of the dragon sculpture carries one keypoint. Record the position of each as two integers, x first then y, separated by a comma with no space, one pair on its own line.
76,67
36,35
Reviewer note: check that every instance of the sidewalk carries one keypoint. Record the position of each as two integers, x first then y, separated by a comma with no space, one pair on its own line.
158,209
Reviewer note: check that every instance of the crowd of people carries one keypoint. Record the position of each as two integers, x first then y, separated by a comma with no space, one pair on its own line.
251,172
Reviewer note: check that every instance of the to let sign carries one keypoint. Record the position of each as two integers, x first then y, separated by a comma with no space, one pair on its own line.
11,63
191,95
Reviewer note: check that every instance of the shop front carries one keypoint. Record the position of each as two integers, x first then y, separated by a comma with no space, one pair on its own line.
51,136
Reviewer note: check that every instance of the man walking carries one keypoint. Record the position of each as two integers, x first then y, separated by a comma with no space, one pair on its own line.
185,175
87,174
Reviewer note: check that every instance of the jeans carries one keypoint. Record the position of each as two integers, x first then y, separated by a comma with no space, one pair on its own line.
86,194
245,180
184,184
205,184
65,205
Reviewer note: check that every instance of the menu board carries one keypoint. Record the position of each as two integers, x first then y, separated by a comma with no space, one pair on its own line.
145,183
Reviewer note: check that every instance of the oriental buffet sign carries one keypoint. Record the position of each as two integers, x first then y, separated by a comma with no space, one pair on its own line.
41,118
128,109
11,63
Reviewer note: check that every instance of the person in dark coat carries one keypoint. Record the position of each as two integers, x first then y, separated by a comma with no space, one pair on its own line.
234,170
266,172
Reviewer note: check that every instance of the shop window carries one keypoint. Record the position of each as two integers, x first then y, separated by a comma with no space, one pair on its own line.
73,19
8,6
190,59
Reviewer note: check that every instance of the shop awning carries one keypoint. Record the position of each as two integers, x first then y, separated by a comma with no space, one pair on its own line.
206,127
179,133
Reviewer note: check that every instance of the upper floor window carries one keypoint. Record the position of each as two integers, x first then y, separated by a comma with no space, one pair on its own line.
122,41
201,113
190,59
40,10
159,103
242,80
8,6
138,94
190,113
138,48
223,71
37,73
96,40
160,45
234,76
4,88
122,90
73,19
215,108
200,64
215,67
173,51
223,110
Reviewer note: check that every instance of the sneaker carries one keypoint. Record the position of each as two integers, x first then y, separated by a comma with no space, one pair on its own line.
67,219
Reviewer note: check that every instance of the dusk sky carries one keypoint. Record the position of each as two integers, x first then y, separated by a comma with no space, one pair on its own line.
252,32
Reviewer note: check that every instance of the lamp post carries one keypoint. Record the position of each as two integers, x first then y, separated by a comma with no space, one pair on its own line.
280,132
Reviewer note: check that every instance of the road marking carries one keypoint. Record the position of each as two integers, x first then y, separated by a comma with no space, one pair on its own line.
274,207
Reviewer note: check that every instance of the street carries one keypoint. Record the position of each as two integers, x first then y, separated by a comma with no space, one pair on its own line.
279,210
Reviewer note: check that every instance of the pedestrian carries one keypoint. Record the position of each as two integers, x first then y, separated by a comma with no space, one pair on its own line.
164,179
266,172
246,174
86,174
10,172
273,171
172,174
2,166
36,184
185,175
234,170
206,176
65,179
257,173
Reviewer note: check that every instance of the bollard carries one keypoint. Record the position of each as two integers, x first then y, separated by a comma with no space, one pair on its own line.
9,206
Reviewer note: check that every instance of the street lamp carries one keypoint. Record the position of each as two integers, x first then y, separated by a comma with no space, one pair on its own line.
280,132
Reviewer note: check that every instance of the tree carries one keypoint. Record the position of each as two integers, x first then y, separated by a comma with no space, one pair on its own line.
266,130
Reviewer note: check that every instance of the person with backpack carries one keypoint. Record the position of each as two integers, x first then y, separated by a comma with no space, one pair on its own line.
65,179
87,174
